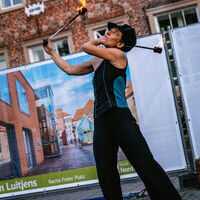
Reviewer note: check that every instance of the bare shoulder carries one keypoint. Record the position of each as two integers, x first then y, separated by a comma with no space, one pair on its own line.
96,62
119,58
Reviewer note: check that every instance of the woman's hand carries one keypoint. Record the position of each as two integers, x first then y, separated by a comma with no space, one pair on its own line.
49,47
101,40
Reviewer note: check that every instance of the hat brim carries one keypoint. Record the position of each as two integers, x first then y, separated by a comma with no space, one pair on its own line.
113,25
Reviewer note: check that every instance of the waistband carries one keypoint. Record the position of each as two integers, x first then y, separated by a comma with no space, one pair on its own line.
116,114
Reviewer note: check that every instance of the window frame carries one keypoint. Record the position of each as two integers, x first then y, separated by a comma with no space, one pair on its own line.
11,8
103,24
22,111
38,41
45,55
8,103
170,13
4,52
99,29
153,13
31,53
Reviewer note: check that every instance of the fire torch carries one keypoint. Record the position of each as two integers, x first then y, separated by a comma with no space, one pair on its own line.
81,11
157,48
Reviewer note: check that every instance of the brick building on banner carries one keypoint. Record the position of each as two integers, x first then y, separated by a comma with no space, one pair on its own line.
20,139
21,36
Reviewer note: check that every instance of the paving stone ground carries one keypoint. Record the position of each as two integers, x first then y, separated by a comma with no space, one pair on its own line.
128,186
73,157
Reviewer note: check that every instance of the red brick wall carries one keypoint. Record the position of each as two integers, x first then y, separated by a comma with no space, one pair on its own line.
16,27
13,115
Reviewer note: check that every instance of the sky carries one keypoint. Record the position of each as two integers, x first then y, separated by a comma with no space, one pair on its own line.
70,92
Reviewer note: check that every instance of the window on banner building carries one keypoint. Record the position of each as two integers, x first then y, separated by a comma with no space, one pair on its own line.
10,3
174,19
4,89
2,62
22,98
37,53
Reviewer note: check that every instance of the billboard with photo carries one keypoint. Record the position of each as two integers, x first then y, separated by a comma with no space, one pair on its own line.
47,126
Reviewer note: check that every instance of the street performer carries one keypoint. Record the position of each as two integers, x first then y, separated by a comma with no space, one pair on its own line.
114,126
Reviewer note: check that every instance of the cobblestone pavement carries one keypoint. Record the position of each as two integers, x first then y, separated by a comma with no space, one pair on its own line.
128,186
72,157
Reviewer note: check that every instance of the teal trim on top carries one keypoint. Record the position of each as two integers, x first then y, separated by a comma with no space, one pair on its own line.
105,83
119,87
95,96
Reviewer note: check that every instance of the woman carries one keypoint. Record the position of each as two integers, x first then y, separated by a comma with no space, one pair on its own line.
114,125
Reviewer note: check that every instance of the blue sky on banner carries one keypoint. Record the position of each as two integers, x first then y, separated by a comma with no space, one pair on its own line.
70,92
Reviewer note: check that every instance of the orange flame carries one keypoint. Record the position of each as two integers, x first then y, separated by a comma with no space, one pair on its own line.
161,43
83,6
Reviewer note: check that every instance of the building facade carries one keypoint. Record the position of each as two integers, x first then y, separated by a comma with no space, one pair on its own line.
62,120
21,145
21,36
83,123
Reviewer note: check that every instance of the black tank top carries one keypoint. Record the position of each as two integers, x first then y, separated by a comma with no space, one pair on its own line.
109,88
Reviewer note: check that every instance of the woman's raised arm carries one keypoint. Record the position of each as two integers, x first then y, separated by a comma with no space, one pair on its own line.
79,69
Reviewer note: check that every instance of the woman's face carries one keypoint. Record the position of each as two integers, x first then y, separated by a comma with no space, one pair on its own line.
113,38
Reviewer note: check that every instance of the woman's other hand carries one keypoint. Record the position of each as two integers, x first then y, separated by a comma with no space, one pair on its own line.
48,47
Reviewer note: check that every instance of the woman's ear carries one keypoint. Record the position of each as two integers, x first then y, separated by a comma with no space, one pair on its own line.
120,44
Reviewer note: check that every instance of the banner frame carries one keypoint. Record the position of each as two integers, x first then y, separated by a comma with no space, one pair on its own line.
192,166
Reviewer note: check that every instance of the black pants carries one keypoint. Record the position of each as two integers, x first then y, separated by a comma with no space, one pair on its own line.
117,128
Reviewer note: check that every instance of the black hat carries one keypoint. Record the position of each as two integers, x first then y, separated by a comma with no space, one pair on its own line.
128,35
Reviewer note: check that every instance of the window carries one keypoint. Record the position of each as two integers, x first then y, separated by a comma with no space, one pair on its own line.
181,17
101,32
62,47
41,92
10,3
2,62
29,147
37,53
22,99
4,90
49,122
45,96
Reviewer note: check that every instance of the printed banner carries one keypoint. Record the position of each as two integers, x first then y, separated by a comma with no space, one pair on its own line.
69,178
47,126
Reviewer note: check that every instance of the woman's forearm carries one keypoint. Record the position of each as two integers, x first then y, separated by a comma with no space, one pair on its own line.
93,42
88,46
62,64
78,69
